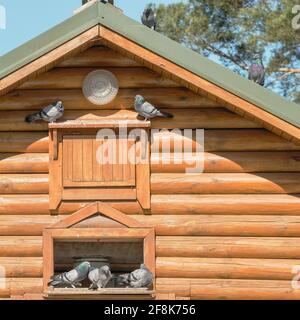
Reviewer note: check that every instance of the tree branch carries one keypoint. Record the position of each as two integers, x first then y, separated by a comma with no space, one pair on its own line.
220,53
288,70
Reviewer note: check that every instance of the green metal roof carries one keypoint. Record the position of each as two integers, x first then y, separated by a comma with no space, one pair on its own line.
108,16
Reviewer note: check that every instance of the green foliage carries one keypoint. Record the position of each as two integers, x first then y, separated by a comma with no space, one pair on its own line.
233,32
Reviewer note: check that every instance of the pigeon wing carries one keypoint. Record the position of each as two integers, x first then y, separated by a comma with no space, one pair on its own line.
50,111
149,109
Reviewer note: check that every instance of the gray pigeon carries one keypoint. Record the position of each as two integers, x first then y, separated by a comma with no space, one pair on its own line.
147,110
103,1
99,277
257,72
140,278
148,17
71,278
49,114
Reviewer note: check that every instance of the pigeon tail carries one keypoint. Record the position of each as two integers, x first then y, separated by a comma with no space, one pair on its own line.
33,117
165,114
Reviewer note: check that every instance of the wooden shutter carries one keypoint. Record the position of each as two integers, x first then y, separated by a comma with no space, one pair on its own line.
85,168
88,162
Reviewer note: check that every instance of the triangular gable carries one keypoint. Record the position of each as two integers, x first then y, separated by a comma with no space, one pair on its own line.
159,53
100,208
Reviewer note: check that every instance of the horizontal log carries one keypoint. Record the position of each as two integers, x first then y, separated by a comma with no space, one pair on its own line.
189,118
22,267
238,289
72,78
20,286
24,163
168,204
227,268
280,161
26,225
227,247
74,99
39,204
37,142
172,225
16,246
31,142
220,140
24,204
226,204
222,225
225,183
24,183
99,57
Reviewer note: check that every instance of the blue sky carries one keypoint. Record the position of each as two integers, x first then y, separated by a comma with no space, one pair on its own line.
26,19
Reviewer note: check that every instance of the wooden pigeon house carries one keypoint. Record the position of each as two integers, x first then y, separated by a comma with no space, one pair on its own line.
213,210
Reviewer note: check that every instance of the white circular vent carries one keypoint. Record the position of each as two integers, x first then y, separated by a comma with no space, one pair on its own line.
100,87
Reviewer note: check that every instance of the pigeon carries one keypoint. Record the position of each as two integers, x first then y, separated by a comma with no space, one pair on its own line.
257,72
99,277
103,1
71,278
140,278
148,17
49,114
147,110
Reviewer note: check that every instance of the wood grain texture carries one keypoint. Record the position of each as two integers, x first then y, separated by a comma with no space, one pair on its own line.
98,57
239,289
20,286
224,225
74,99
228,268
167,205
22,267
219,162
215,140
24,163
224,140
21,246
212,118
226,204
225,183
227,247
72,78
171,225
228,162
29,142
24,183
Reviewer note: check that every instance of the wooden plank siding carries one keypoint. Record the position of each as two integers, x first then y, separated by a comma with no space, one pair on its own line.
231,232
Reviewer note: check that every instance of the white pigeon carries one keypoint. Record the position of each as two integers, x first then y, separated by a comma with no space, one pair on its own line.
99,277
50,113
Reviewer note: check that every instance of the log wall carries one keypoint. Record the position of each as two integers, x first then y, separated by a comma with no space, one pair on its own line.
231,232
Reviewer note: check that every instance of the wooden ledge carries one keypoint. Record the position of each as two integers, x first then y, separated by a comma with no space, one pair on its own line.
114,123
61,292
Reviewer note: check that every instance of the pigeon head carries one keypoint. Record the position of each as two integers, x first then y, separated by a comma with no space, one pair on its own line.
84,267
139,99
143,266
59,105
106,269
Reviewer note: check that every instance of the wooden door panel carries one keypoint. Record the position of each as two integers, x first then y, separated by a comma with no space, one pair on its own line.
91,162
